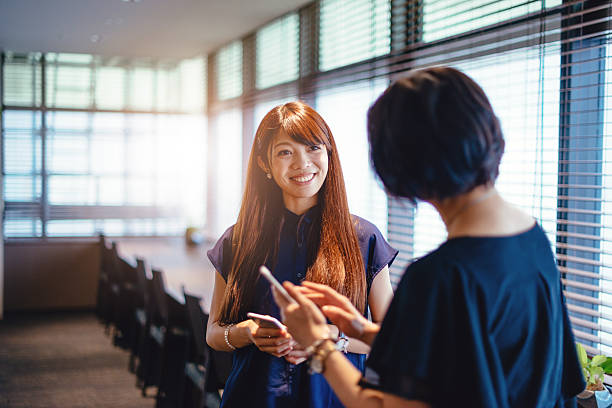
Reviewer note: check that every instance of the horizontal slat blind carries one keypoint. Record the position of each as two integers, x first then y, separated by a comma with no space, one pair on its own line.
22,80
352,31
277,52
228,71
83,165
446,18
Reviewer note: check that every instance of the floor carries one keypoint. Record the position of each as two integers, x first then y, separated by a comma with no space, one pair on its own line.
63,360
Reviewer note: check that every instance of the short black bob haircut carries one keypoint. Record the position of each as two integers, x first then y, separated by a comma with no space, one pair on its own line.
434,135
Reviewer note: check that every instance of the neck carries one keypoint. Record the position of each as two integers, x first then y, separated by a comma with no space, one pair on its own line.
454,209
299,206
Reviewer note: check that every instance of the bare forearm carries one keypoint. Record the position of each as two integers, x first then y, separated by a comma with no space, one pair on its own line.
344,378
357,346
237,336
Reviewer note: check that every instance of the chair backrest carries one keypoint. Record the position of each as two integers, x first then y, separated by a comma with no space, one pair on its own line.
142,292
197,321
115,272
128,271
159,300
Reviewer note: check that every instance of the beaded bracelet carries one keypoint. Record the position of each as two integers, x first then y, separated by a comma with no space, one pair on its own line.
226,336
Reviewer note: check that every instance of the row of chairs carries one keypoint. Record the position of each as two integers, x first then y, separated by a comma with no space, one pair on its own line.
165,337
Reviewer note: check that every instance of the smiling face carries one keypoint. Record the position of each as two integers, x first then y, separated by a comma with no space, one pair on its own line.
299,170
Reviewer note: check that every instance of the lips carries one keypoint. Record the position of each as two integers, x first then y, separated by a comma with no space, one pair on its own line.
303,178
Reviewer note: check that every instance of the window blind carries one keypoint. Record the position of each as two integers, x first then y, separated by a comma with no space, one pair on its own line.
228,71
277,52
86,161
352,31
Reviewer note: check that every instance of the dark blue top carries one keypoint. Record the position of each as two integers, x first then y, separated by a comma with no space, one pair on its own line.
259,379
479,322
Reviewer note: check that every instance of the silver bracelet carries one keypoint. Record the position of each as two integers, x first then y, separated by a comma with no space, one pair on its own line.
226,336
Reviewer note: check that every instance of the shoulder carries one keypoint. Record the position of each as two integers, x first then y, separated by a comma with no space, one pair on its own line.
216,253
364,228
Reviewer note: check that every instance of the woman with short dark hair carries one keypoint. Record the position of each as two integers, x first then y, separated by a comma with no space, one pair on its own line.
479,322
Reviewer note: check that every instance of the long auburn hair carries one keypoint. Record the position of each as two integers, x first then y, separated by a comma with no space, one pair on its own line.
336,260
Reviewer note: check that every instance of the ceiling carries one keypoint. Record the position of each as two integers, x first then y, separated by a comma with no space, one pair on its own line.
143,28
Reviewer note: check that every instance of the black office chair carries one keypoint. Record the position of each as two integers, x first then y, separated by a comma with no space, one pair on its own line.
139,313
104,308
197,366
125,302
165,346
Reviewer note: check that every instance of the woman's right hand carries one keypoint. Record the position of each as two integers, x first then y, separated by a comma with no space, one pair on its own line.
272,341
339,310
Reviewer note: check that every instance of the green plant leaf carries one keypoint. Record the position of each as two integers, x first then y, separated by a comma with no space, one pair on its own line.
607,365
596,373
582,355
598,360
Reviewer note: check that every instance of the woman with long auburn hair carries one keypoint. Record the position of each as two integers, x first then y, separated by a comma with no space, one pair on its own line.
294,219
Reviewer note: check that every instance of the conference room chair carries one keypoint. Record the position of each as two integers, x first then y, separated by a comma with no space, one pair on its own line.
197,366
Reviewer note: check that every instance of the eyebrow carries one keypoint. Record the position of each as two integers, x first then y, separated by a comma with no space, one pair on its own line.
281,144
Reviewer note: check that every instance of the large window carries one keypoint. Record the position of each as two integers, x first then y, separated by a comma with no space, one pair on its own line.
344,109
89,162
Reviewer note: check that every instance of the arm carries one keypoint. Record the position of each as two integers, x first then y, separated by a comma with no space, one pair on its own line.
242,334
307,324
381,295
379,299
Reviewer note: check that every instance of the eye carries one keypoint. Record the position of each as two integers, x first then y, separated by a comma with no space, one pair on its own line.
283,152
315,148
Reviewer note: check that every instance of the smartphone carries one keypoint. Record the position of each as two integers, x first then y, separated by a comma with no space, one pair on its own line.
266,321
265,272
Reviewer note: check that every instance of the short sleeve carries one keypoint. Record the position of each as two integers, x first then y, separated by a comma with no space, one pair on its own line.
221,248
375,250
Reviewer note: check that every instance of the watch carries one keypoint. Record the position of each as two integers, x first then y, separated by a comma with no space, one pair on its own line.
316,363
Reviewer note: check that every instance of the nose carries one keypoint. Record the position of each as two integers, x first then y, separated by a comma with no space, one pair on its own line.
301,160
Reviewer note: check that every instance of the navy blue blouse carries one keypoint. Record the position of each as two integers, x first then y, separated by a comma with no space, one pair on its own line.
259,379
479,322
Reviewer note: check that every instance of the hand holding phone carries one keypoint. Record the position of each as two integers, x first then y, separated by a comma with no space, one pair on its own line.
265,272
266,321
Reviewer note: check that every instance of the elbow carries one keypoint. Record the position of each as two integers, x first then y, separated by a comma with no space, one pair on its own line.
210,338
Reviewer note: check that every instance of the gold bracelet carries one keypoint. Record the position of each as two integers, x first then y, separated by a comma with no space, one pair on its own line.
323,349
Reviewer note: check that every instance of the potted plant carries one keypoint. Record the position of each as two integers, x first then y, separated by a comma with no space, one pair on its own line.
593,370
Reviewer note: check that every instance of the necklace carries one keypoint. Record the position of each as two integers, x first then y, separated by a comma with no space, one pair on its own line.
467,205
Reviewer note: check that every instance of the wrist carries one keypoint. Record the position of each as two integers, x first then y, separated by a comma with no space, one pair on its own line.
322,350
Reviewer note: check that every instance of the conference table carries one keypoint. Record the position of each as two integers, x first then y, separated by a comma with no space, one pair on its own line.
183,265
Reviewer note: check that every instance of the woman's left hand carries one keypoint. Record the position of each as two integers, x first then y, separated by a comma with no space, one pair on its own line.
304,321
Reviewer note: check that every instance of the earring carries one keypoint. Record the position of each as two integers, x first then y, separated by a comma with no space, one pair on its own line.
268,175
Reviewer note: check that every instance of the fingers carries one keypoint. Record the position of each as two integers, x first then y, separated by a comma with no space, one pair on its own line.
301,299
295,360
269,332
277,351
340,317
279,299
325,294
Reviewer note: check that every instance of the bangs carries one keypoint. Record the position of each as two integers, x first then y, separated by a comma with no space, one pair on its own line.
305,129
